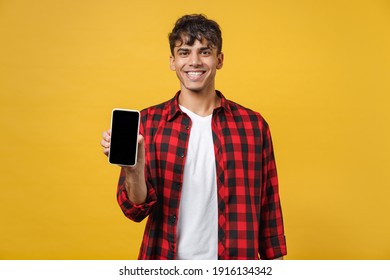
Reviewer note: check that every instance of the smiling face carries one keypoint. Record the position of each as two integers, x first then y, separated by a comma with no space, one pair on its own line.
196,66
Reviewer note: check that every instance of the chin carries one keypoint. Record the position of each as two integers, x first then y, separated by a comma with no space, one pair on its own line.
194,89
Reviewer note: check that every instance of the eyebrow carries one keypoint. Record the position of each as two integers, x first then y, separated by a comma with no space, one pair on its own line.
187,49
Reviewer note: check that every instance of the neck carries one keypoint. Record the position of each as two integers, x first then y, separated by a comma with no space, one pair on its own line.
200,103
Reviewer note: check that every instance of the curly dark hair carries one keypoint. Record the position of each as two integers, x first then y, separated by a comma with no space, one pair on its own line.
195,27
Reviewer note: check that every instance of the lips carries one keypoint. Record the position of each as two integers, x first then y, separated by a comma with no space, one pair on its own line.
194,75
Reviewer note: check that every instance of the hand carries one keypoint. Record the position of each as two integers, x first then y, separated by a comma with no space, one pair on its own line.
135,178
105,143
140,158
106,140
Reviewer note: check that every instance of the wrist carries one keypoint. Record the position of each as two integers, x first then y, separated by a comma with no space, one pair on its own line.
135,186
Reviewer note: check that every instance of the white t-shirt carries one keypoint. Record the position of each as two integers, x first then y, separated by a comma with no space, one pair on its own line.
197,231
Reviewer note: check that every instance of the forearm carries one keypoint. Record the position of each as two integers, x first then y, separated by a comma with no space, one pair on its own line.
272,239
133,202
135,185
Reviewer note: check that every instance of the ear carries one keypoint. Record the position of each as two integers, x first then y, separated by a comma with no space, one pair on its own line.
172,63
220,60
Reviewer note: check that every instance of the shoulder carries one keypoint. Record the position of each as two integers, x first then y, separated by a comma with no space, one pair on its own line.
156,112
155,109
245,114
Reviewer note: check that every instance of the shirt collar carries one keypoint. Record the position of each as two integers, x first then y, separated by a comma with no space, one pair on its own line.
174,109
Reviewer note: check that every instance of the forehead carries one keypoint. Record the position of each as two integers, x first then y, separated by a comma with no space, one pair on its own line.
185,42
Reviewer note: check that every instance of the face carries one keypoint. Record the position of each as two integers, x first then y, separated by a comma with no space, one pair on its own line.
196,66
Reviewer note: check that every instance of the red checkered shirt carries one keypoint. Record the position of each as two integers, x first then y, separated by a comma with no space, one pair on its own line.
250,223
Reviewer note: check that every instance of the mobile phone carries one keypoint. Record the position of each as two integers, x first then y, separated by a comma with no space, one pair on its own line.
124,135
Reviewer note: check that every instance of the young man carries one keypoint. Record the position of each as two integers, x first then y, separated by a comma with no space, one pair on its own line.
205,173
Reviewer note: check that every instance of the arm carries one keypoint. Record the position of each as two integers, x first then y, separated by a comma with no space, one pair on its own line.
272,240
134,180
134,197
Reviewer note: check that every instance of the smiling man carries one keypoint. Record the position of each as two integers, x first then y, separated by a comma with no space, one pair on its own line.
205,175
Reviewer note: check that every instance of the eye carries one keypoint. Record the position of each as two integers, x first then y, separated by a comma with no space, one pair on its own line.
183,53
206,52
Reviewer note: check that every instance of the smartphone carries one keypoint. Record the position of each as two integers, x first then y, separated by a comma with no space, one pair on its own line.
124,135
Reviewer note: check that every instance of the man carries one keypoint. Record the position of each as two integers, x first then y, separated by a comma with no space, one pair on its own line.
205,174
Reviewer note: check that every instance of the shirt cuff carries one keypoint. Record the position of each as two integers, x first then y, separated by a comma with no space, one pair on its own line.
135,212
273,247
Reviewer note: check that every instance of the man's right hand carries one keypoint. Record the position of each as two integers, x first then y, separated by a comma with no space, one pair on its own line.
105,143
135,176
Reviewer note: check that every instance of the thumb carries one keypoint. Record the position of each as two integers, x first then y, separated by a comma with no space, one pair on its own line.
141,150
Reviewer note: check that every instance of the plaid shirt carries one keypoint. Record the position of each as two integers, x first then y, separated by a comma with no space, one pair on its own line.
250,219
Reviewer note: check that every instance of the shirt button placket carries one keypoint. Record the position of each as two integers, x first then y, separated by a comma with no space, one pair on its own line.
172,219
187,129
172,222
181,153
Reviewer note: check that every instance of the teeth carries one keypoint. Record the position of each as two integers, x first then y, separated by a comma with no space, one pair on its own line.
195,73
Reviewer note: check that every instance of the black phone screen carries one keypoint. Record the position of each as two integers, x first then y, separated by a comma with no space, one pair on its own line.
124,134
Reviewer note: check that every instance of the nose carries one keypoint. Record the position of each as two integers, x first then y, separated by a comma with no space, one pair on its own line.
195,59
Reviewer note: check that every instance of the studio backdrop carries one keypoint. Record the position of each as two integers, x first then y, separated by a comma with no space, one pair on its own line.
318,72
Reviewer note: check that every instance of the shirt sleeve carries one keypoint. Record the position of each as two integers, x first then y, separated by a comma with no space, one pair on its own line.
272,242
135,212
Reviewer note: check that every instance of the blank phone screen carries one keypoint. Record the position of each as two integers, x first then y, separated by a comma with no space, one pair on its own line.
124,134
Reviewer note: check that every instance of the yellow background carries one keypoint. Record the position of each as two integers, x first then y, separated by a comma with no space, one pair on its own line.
318,71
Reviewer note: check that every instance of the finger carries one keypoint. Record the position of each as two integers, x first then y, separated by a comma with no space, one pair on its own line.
107,135
140,139
140,156
106,151
141,149
104,143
